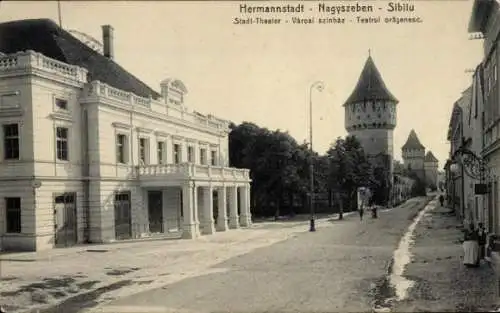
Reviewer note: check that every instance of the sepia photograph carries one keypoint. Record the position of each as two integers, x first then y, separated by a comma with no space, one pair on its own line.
249,156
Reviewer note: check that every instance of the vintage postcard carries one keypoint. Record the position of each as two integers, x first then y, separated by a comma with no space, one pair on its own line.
249,156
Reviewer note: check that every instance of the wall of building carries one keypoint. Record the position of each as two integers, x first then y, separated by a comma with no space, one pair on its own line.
431,173
375,141
115,118
16,108
38,176
370,114
47,117
414,159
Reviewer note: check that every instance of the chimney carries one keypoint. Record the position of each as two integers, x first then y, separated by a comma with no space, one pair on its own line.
107,40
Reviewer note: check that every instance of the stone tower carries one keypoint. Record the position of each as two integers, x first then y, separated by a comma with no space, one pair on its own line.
431,168
413,155
370,116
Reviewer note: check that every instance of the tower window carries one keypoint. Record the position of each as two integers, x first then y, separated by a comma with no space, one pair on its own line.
368,116
358,117
380,116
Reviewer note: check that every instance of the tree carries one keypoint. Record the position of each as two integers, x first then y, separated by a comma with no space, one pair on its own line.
349,169
419,187
275,161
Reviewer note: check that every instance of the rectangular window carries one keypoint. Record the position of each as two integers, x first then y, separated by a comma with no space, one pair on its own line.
11,141
143,152
177,153
121,141
9,101
213,157
61,104
161,152
62,143
203,156
190,154
13,215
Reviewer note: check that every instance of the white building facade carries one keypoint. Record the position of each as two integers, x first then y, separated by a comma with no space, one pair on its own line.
83,161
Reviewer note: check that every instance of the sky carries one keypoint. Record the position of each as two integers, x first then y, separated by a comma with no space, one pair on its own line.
263,73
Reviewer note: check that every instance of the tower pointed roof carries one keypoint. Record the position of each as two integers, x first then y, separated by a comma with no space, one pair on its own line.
370,85
413,142
429,157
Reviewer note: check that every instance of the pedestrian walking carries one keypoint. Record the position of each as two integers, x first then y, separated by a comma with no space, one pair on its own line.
361,212
441,200
374,211
482,236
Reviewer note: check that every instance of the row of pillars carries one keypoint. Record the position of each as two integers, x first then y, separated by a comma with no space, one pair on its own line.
200,220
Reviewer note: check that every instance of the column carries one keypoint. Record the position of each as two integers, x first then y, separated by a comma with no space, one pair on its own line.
233,207
222,216
245,217
208,211
190,227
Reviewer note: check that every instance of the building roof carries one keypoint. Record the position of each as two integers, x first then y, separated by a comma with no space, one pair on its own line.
46,37
429,157
481,10
413,142
370,86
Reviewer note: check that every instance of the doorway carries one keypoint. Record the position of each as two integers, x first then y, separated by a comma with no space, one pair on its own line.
155,211
123,216
65,223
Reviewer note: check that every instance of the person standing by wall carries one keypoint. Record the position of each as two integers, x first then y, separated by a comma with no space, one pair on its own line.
482,236
471,246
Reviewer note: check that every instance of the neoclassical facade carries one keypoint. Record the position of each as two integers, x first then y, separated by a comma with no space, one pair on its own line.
92,154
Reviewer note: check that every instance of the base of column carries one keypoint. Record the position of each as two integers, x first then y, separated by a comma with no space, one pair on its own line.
207,228
234,222
245,220
221,225
190,231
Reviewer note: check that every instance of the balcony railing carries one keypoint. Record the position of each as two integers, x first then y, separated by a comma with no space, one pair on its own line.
104,91
30,60
190,170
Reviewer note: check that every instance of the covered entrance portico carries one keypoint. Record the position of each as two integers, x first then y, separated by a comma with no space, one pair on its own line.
194,206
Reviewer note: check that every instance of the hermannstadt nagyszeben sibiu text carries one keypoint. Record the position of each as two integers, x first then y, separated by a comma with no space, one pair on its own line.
324,8
335,10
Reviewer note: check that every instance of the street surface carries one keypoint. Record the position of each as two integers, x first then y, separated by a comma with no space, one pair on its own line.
271,267
442,282
342,267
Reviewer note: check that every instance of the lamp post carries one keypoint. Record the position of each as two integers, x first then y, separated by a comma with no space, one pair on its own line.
318,85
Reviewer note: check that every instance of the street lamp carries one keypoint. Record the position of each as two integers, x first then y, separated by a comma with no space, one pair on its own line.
319,86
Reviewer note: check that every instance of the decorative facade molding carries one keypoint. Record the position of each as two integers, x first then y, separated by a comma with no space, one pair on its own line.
62,116
144,130
161,134
121,125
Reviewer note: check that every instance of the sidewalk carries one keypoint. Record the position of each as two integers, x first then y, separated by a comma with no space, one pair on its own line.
44,279
441,282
